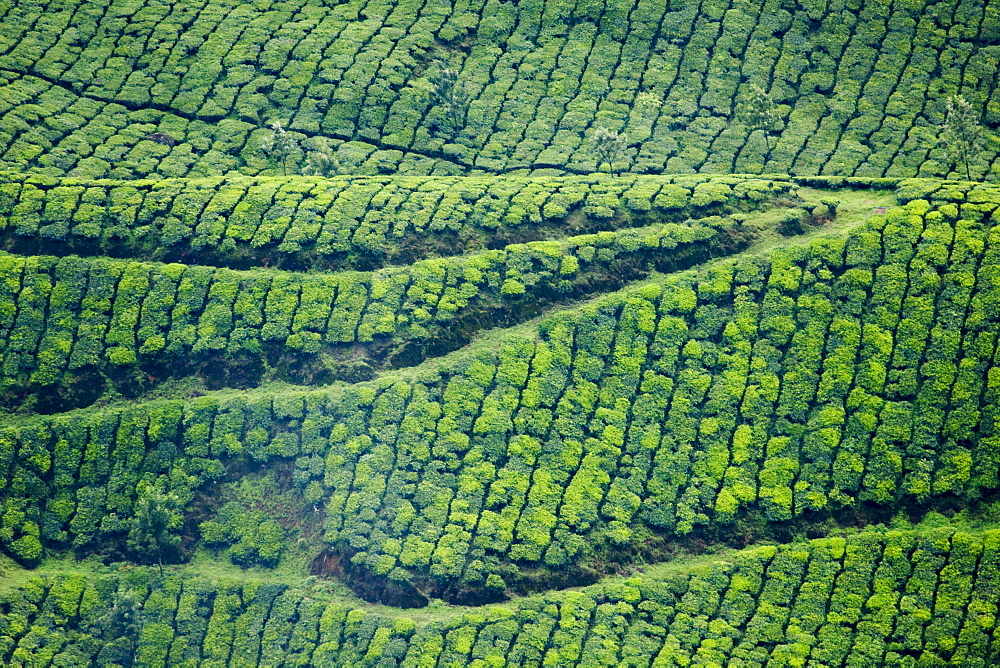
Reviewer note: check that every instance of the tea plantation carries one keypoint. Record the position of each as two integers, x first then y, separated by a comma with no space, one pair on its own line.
858,86
490,333
875,598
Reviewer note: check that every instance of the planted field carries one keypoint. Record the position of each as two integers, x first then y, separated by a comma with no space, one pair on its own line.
132,89
486,333
96,320
852,371
76,325
348,223
876,598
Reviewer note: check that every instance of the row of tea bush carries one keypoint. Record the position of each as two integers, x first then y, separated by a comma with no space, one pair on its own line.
878,598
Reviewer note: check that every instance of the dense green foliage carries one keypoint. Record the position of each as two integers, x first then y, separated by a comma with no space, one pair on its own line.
858,370
346,223
250,254
71,319
894,598
131,89
251,537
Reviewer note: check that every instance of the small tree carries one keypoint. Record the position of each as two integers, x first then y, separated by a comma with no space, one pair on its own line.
157,517
279,146
451,95
320,158
609,146
123,622
962,133
759,113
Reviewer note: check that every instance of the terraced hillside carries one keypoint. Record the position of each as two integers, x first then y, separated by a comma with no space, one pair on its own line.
104,320
333,334
128,89
835,382
876,598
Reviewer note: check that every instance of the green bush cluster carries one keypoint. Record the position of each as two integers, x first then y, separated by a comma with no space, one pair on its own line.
851,372
82,488
69,314
178,621
441,159
858,370
891,598
956,192
47,127
345,222
899,598
858,87
250,537
935,191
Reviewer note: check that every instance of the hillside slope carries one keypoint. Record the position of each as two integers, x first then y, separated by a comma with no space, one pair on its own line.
332,333
847,378
134,89
892,598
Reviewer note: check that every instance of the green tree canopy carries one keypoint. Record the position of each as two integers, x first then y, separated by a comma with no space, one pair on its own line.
279,146
962,133
155,523
759,112
609,147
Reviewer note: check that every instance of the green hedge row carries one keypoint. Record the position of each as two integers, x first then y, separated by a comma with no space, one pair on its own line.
139,619
956,192
878,598
857,371
67,317
859,87
934,190
346,222
46,127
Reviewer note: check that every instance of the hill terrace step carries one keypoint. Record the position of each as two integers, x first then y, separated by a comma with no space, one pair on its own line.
348,222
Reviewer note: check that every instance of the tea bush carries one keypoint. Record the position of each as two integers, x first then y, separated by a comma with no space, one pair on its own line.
71,316
347,222
876,598
855,371
140,89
